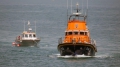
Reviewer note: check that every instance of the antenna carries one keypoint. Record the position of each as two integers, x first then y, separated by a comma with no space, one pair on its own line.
67,10
29,24
67,4
35,26
87,4
71,6
77,7
24,25
86,11
82,6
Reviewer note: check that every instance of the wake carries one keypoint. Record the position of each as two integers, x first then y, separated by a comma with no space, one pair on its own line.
78,56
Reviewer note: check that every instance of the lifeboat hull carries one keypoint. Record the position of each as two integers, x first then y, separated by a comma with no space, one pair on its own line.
77,49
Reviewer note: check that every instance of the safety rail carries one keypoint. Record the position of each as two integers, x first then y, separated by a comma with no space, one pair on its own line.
63,40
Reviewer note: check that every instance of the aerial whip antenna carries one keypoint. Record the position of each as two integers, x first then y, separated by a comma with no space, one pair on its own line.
24,25
86,11
87,6
67,10
29,24
71,6
82,6
77,7
35,26
67,4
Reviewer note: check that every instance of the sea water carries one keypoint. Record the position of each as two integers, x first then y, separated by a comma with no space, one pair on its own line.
51,19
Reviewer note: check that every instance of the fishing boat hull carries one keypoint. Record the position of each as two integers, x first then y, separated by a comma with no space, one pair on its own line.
77,49
27,43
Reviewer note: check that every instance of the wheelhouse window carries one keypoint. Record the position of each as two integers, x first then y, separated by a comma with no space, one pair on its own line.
69,33
34,35
81,33
26,35
75,33
30,35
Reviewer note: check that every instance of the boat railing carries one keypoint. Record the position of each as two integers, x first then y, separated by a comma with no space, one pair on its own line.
93,42
69,40
60,41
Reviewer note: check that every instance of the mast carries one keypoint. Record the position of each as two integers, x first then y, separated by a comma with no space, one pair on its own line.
35,26
77,7
67,10
71,6
82,6
29,26
24,25
87,4
86,13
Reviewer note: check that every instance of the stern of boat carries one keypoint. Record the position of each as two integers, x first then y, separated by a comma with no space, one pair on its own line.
72,48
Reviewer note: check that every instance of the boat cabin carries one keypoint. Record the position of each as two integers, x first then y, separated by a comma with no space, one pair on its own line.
28,35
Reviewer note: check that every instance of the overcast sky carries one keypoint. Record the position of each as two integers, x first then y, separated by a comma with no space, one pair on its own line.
58,2
22,2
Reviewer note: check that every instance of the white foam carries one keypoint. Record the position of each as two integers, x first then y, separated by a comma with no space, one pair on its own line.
76,56
79,56
102,56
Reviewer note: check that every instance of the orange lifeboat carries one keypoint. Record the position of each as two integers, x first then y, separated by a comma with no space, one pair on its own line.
77,40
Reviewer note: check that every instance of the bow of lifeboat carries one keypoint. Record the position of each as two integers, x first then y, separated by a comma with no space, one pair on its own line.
77,40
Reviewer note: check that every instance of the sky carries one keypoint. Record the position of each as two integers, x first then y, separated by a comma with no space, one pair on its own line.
57,2
24,2
21,2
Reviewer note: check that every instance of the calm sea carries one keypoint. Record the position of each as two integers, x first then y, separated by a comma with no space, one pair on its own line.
103,23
